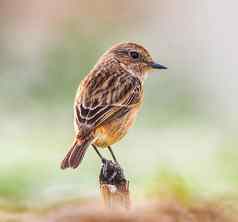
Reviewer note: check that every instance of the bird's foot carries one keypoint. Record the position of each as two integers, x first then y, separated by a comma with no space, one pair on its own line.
111,173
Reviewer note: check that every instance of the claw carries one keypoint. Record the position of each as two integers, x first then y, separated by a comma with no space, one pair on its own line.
104,160
111,173
111,178
104,167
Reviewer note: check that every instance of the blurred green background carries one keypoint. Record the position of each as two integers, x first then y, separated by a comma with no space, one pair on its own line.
185,139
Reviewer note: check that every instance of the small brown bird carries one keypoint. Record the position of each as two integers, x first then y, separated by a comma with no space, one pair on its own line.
108,100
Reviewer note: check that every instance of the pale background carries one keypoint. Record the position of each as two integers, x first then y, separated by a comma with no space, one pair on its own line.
185,139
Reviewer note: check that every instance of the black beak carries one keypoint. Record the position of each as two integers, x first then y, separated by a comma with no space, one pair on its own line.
157,66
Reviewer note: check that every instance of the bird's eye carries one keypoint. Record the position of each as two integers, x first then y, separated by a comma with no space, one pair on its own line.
134,54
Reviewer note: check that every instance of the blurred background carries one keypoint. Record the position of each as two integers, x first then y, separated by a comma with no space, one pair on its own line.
185,140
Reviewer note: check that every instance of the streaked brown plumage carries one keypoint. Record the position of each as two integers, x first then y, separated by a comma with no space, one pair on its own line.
108,99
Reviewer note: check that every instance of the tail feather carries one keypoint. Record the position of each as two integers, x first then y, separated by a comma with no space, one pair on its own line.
76,153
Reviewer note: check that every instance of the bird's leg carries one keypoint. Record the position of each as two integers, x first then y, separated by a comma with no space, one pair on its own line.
98,153
113,155
111,173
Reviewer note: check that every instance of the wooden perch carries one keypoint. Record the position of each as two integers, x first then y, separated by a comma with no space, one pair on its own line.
113,185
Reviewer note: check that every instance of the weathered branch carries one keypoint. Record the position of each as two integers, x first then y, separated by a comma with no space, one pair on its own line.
113,185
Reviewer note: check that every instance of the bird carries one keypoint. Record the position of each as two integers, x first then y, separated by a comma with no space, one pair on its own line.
108,100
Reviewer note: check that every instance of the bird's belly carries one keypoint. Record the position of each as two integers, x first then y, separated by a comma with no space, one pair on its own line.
114,131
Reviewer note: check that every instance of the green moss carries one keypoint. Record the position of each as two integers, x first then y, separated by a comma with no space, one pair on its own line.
169,184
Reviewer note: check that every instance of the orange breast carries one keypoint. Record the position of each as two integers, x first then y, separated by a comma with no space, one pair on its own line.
114,131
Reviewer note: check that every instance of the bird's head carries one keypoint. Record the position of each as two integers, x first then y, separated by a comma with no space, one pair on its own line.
133,57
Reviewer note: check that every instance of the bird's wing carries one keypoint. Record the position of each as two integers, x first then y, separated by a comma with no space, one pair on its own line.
107,98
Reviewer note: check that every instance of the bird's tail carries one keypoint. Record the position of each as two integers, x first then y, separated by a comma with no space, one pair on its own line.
76,153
